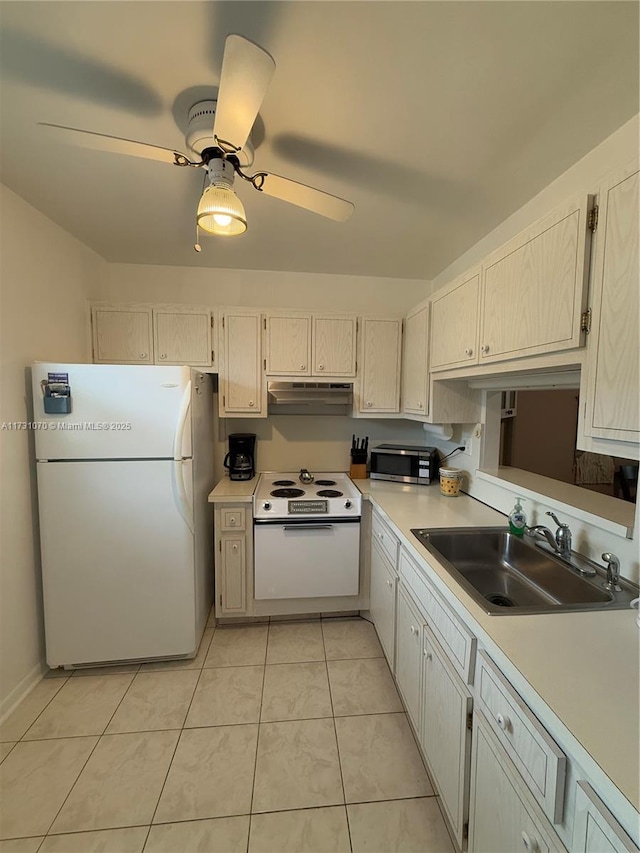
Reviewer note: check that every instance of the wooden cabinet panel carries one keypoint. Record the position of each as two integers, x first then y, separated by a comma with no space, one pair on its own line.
288,344
534,288
445,733
234,591
182,337
334,346
502,818
595,829
415,377
382,602
612,399
122,335
409,655
454,324
242,369
380,357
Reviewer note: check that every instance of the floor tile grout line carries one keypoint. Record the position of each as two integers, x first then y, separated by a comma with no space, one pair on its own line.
64,681
255,760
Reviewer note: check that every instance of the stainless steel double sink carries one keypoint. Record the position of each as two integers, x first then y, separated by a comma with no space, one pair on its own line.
506,574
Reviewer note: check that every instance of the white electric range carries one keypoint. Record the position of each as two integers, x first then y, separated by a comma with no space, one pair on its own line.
306,536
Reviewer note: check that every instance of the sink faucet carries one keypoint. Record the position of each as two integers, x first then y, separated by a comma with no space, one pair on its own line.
613,572
561,542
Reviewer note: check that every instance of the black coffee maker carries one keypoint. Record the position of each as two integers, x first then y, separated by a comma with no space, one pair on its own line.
241,458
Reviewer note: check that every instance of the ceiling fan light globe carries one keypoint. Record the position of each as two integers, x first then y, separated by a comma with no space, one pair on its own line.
221,212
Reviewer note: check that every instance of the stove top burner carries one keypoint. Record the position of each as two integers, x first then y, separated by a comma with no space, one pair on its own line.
287,493
325,482
285,483
329,493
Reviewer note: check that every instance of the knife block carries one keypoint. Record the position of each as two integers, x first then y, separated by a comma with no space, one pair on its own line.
358,471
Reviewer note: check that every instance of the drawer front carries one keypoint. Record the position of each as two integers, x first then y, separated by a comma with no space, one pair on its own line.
387,540
232,518
537,756
452,634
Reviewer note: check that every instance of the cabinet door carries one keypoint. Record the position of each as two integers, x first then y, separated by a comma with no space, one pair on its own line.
445,733
595,829
242,372
233,576
415,378
382,602
409,654
334,346
502,818
379,389
288,344
535,287
612,402
182,336
122,335
454,324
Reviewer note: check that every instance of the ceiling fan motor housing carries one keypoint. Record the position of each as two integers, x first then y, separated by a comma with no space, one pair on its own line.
200,132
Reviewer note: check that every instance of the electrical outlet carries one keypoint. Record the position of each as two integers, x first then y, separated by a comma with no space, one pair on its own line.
466,442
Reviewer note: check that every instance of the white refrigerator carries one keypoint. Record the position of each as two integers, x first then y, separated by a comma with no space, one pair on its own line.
125,528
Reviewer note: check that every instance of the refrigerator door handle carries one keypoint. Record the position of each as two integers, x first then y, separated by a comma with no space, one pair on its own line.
185,403
182,502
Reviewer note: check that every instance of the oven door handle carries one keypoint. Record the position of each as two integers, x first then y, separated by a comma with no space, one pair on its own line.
308,527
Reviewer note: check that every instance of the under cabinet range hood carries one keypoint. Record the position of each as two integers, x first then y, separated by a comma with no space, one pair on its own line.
310,398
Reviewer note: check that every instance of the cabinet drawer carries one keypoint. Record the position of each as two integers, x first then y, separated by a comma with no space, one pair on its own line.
232,519
595,829
537,756
387,540
453,635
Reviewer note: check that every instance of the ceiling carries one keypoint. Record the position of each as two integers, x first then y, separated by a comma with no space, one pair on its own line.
437,119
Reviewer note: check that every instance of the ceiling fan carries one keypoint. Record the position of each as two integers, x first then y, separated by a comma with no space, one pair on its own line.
218,137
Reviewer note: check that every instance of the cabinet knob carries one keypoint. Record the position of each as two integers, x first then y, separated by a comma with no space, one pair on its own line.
251,403
529,842
303,367
389,584
428,655
143,355
235,549
232,522
503,722
414,630
419,405
321,367
468,351
163,355
485,348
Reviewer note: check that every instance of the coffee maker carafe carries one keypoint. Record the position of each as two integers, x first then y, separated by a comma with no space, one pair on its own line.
241,458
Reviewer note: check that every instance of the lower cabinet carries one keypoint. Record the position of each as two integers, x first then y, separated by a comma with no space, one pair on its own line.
595,829
409,624
503,817
234,560
446,732
382,602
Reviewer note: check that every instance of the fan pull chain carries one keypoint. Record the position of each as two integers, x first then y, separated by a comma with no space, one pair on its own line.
197,245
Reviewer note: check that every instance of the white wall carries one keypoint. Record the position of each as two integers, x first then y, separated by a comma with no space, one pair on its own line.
45,274
261,288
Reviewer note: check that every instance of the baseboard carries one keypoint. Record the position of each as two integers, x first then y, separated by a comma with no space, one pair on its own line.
22,690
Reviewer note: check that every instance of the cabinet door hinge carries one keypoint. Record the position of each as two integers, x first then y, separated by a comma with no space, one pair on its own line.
212,321
465,830
585,324
592,218
264,362
213,356
220,545
264,322
220,599
470,720
224,400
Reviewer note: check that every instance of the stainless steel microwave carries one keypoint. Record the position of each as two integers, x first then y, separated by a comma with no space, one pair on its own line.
404,463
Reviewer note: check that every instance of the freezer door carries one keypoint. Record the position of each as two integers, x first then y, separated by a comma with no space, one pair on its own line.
117,412
117,562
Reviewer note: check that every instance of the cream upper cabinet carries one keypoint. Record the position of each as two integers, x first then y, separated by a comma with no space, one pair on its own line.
242,385
454,323
610,389
534,288
378,388
288,347
122,334
333,346
415,377
182,336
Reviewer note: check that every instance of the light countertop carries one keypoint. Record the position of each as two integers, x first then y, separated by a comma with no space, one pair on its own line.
235,491
584,666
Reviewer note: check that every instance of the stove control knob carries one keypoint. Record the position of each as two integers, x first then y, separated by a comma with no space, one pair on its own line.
266,505
348,504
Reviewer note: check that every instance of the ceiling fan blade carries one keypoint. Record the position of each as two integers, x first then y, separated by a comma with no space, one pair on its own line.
315,200
114,144
246,73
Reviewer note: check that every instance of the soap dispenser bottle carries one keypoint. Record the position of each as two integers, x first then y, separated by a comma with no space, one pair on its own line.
517,519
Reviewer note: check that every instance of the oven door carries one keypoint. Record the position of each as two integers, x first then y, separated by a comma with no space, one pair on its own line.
307,559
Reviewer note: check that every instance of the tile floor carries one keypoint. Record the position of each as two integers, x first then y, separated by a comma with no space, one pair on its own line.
280,738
